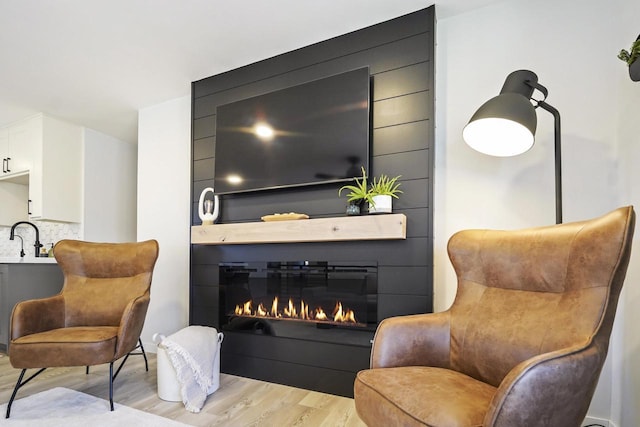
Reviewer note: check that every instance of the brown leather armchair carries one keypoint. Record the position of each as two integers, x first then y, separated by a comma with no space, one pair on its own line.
97,317
523,343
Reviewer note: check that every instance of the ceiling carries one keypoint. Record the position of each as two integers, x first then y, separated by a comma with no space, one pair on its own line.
97,62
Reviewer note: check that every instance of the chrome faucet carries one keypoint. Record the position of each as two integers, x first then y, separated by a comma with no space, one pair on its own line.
37,245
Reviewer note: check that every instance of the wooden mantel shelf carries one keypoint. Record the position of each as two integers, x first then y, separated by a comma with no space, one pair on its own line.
366,227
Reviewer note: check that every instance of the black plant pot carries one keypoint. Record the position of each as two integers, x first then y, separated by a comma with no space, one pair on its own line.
355,208
634,70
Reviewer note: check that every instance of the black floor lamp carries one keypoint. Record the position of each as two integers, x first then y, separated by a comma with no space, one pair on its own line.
506,124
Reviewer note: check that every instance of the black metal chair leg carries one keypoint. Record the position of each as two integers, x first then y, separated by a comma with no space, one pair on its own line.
144,354
111,385
13,395
19,384
140,353
112,377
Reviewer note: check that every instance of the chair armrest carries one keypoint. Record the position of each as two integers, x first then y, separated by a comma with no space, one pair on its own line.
558,384
37,315
416,340
131,324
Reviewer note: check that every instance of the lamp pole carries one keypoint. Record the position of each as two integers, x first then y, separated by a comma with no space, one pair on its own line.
558,157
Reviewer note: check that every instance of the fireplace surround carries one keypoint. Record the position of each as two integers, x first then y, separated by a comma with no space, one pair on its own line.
399,54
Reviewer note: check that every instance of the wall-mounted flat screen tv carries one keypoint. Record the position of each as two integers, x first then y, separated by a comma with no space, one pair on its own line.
312,133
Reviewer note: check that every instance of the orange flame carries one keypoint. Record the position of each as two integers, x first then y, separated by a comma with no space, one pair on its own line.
274,308
320,314
261,310
290,310
339,315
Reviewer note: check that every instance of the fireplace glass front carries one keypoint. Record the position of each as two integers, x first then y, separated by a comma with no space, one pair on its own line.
317,300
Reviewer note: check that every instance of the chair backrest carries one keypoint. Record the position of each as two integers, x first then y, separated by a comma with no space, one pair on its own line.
100,279
527,292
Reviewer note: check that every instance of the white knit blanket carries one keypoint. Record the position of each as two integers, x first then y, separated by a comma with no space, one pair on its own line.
194,354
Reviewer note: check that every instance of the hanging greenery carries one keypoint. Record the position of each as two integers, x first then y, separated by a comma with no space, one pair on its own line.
630,56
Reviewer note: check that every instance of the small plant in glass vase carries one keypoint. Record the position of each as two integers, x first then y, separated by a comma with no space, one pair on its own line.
359,193
383,190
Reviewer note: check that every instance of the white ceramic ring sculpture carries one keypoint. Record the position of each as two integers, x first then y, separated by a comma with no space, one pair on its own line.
208,217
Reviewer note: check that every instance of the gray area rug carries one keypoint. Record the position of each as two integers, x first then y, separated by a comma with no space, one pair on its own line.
69,408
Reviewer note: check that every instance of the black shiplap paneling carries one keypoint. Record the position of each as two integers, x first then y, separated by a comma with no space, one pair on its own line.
403,137
203,169
204,148
204,127
409,165
305,376
290,350
417,221
401,81
380,59
206,295
400,305
204,275
203,316
416,194
347,45
399,54
404,280
401,109
414,251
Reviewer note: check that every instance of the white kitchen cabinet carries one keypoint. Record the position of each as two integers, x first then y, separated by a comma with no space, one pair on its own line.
4,148
4,143
55,181
17,146
52,153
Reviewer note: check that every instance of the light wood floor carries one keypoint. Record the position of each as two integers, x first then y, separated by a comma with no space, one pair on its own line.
238,402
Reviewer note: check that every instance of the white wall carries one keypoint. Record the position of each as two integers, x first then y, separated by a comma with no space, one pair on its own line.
164,155
110,171
572,46
626,394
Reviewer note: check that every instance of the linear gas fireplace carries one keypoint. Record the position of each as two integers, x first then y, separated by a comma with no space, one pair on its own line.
302,323
311,300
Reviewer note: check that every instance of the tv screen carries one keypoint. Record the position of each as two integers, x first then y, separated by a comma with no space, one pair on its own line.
312,133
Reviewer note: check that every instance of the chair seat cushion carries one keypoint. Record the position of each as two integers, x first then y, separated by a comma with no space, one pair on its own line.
74,346
419,396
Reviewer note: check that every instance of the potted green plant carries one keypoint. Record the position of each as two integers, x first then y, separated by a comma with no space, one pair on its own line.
383,190
359,193
630,58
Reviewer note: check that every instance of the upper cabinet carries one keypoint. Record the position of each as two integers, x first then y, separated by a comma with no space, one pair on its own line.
45,154
55,181
4,148
13,188
17,149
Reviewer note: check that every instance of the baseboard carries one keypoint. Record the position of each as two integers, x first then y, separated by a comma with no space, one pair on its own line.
597,422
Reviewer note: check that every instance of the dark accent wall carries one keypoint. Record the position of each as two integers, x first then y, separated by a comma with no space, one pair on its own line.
399,54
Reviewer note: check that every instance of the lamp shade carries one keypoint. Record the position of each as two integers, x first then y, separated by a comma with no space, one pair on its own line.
503,126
